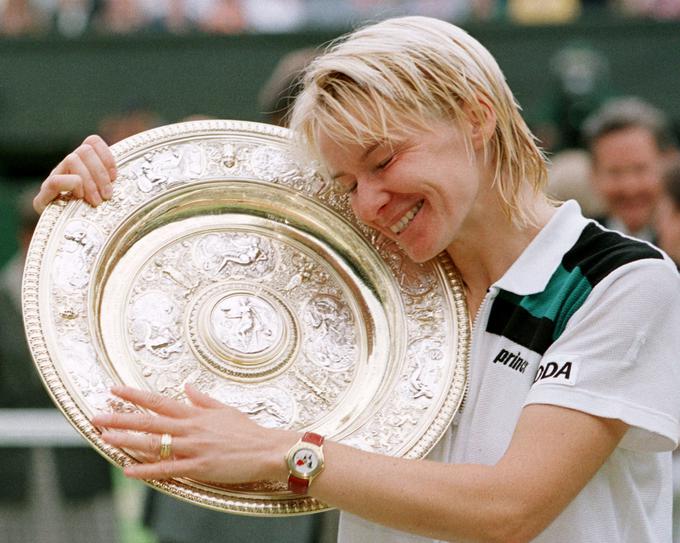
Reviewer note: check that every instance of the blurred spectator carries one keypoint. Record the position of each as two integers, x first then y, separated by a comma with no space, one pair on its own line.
280,89
220,16
135,118
121,16
569,179
19,17
629,141
170,15
450,10
274,15
61,495
543,12
71,18
668,214
657,9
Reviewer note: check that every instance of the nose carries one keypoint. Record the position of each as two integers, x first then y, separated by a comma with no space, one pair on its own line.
368,200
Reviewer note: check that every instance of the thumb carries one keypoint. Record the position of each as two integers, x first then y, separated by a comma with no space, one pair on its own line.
200,399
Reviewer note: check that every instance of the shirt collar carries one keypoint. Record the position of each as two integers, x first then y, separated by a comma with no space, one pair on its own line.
533,269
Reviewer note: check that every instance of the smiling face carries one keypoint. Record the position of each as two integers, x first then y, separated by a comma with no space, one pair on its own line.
419,189
627,170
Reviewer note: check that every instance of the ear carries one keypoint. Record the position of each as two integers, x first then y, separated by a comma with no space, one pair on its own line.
482,118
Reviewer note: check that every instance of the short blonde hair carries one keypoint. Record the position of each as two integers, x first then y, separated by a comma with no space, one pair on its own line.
407,71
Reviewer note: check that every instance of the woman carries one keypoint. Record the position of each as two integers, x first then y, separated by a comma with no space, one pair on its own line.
572,408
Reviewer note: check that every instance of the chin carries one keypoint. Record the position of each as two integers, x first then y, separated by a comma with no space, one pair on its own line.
419,256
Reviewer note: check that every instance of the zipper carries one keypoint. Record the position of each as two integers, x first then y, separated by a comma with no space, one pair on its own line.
473,327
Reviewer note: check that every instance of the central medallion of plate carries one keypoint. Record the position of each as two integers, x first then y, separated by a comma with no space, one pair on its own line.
247,327
243,330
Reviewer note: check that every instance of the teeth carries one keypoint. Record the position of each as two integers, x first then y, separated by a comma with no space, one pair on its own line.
399,226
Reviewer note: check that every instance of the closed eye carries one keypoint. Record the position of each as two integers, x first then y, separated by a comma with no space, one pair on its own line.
384,163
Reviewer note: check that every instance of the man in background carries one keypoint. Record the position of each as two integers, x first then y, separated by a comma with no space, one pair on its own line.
630,142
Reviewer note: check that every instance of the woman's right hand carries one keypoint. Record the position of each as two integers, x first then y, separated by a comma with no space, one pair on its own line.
86,173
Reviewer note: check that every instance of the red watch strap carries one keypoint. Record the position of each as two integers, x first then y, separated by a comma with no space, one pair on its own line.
297,485
300,485
311,437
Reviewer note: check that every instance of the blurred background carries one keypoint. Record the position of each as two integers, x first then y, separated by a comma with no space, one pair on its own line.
69,68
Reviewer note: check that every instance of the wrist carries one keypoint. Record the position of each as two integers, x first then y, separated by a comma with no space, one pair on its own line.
282,442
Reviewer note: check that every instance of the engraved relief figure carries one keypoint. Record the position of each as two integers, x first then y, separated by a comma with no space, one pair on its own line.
272,164
223,253
304,274
177,277
331,342
153,323
414,278
246,324
170,166
80,361
76,255
427,356
229,156
306,271
269,406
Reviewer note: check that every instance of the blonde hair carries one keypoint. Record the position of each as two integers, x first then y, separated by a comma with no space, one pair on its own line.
408,71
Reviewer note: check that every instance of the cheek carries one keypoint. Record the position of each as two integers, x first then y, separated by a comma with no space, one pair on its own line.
668,225
674,230
605,185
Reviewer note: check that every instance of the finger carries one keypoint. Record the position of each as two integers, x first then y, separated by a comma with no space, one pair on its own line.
167,469
53,186
74,164
104,151
200,399
98,171
138,422
147,444
155,402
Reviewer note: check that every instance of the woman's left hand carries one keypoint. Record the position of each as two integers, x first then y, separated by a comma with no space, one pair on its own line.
209,440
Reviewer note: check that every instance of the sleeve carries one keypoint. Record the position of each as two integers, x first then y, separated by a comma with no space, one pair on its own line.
619,356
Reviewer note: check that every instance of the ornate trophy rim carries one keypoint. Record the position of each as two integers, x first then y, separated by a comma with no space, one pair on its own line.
239,184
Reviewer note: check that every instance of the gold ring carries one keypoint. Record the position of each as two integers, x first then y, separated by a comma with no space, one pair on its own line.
166,447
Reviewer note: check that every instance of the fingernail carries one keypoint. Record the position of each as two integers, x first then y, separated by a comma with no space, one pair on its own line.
107,192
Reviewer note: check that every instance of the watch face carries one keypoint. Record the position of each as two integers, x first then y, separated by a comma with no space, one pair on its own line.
305,461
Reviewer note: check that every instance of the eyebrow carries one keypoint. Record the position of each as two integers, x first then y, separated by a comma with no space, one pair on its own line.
363,157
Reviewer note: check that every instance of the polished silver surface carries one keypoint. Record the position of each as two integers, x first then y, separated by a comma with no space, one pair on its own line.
222,262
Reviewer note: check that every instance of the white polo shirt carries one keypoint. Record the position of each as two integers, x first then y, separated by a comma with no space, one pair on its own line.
588,319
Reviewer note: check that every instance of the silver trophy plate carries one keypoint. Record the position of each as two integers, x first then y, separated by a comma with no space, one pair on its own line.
223,262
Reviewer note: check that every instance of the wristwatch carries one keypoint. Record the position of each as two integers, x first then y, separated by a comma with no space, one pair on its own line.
305,461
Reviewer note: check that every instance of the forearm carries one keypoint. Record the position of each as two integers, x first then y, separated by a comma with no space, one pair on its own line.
432,499
552,456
